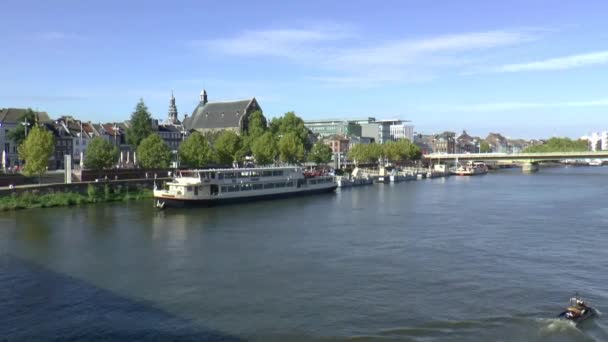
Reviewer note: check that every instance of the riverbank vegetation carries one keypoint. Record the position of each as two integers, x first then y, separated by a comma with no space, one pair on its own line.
394,151
94,194
559,145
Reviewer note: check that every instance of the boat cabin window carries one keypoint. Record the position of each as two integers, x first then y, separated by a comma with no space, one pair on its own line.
189,189
277,172
267,173
258,186
214,189
269,186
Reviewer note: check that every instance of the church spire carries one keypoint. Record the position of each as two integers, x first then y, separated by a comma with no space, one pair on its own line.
203,97
172,117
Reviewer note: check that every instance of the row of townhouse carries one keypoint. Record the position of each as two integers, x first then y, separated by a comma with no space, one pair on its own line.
73,136
448,143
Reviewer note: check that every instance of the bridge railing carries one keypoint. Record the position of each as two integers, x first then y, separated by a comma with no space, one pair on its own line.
557,155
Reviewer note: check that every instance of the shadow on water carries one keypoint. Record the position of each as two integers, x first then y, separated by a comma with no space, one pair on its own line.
37,304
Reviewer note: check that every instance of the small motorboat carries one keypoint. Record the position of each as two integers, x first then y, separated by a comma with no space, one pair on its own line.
578,311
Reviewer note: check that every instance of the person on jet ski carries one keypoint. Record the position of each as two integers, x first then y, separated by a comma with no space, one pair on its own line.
581,305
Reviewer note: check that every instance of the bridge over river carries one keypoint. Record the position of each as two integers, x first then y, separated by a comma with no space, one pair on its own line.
529,161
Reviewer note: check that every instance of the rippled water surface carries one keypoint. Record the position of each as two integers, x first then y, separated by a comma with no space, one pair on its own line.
488,258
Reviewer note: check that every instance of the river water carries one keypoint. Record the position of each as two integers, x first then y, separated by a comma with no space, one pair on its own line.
487,258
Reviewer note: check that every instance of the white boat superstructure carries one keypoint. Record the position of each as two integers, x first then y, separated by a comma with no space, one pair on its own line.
216,186
470,169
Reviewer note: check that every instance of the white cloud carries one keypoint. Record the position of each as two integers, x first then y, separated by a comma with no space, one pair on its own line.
509,106
560,63
289,43
338,54
431,49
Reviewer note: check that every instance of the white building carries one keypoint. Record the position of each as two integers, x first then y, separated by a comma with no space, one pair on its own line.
598,141
402,131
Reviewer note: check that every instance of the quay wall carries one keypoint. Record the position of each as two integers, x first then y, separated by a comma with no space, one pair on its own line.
82,187
120,174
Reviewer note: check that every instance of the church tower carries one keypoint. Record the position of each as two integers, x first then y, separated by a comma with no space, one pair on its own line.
203,97
172,118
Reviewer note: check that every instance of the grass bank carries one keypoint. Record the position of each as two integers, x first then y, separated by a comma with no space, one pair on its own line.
94,194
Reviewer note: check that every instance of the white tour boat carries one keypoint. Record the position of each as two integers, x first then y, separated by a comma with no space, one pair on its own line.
218,186
470,169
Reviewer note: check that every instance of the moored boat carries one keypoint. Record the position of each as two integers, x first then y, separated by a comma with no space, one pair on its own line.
219,186
470,169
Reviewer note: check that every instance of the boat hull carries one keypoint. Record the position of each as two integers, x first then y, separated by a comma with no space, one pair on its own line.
166,202
590,313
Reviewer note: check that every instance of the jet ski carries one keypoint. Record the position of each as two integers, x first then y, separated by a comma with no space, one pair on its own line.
578,311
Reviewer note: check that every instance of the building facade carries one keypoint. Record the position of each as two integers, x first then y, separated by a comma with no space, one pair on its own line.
467,144
210,117
11,118
386,130
402,131
498,143
598,141
172,131
444,143
329,127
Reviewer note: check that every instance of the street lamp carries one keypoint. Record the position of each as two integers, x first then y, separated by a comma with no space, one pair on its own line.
184,132
25,123
115,128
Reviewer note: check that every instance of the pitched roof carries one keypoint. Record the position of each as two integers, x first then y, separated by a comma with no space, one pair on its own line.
218,114
15,114
169,128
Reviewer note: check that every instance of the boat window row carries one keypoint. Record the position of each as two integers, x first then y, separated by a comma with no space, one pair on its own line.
243,174
256,186
249,174
321,180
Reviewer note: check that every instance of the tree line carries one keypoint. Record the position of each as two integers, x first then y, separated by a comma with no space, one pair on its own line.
559,145
394,151
284,140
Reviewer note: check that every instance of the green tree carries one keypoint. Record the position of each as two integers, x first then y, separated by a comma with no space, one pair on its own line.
374,152
195,151
264,149
320,153
257,124
393,151
100,155
17,134
413,151
559,145
153,153
291,149
228,147
141,124
484,147
256,128
212,136
291,123
357,153
36,150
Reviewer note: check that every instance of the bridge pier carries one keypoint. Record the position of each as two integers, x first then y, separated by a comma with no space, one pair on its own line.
530,167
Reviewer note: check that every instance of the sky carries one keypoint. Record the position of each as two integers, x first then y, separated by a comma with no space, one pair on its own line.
524,68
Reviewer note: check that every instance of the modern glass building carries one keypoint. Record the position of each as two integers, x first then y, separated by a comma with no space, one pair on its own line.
344,127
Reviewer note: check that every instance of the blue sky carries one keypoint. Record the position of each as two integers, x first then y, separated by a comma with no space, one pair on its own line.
526,68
